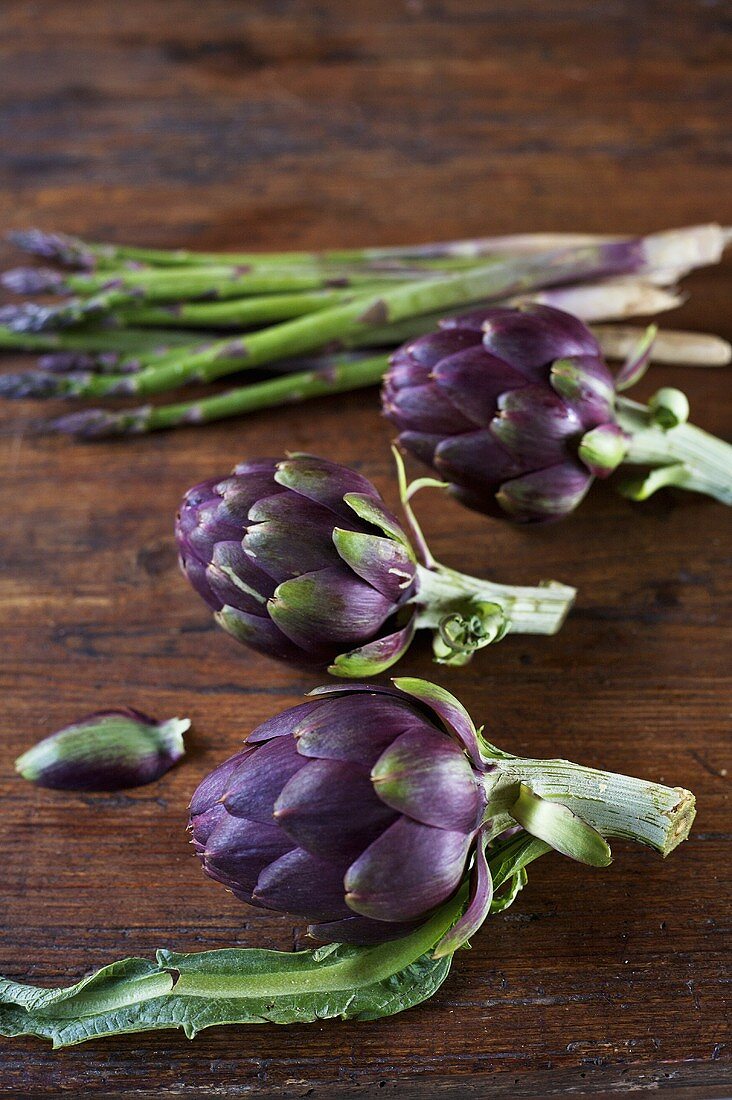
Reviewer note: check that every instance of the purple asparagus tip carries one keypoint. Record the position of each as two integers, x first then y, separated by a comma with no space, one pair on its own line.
64,362
30,317
36,383
10,313
90,424
52,246
32,280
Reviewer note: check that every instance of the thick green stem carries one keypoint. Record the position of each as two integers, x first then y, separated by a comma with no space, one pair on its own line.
527,610
614,805
684,456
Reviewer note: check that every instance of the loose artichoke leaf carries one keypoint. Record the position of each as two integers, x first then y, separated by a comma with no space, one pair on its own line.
249,985
234,986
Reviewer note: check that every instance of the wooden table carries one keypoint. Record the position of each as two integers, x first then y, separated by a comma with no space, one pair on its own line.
292,124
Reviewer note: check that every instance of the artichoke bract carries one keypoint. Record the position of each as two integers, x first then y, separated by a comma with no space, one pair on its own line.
517,411
110,750
301,560
366,807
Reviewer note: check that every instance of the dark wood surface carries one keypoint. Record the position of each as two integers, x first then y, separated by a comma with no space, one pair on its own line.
283,124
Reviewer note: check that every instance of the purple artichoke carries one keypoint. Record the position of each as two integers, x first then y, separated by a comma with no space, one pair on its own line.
111,750
301,560
367,807
334,801
514,408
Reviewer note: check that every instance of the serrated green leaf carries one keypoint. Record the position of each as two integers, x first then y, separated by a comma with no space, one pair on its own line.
234,986
252,986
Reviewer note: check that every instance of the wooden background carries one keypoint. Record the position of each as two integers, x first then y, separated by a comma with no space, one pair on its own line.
276,124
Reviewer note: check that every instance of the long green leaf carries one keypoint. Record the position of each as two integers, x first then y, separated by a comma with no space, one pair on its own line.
248,985
233,986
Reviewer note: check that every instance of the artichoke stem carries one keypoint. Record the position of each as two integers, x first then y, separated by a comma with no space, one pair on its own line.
443,592
684,456
614,805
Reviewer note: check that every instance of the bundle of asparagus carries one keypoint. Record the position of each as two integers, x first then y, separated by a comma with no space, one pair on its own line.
136,322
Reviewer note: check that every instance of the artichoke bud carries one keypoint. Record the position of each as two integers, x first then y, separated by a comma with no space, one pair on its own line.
111,750
603,449
460,632
301,560
367,806
668,408
495,403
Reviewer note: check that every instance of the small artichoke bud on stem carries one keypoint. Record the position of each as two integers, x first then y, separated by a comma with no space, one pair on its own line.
669,407
301,560
111,750
517,411
460,632
365,808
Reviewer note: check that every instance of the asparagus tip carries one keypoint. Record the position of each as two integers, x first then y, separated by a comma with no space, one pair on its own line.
9,314
32,280
52,246
93,424
28,317
64,362
33,383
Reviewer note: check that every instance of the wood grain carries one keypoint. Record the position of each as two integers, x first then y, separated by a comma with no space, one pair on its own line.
297,124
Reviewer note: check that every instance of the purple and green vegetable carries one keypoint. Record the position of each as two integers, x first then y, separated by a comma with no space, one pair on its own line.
517,411
382,815
301,560
110,750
